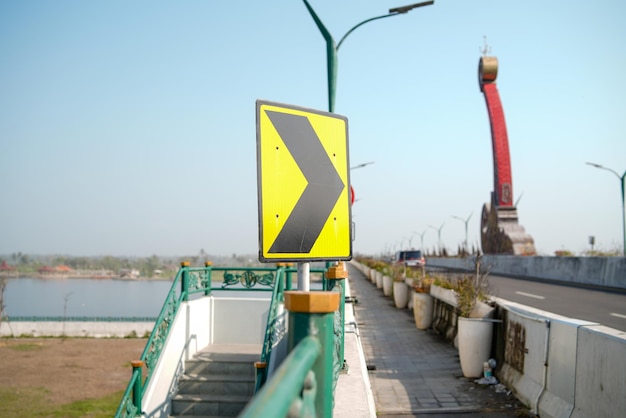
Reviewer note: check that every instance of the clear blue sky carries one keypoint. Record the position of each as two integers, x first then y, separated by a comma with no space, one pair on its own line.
128,128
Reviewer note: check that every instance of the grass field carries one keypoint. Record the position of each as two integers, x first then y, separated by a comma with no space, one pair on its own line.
34,402
70,377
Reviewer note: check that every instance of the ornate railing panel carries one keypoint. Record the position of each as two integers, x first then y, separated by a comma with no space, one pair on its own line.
272,329
301,383
248,279
131,401
187,281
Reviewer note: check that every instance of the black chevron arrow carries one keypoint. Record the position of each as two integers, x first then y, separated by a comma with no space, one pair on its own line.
324,186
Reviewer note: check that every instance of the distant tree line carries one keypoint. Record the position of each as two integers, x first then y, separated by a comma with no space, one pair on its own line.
165,267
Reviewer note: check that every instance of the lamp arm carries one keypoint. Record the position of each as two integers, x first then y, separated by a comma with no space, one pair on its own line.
361,24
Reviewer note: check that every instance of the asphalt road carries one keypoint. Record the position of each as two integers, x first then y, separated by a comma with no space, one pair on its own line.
605,308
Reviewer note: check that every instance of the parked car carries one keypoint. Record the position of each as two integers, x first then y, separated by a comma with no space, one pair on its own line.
410,258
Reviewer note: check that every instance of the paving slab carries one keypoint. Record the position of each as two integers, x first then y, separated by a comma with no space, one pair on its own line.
417,372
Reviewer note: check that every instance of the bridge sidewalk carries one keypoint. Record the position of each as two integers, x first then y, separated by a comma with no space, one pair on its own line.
411,372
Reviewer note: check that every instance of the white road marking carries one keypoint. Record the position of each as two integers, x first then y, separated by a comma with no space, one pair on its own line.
619,315
530,295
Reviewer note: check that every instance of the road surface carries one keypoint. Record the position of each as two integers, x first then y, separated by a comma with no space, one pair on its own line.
606,308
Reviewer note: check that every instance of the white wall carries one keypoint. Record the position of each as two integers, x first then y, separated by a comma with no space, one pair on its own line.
199,323
240,320
189,333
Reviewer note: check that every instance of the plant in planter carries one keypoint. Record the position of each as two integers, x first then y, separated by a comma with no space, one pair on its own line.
423,284
388,278
442,288
472,294
475,326
381,270
423,302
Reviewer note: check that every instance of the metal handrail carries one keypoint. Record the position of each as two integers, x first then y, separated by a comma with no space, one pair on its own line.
278,297
187,281
279,394
130,406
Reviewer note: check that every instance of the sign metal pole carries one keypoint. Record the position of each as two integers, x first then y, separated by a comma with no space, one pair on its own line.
304,276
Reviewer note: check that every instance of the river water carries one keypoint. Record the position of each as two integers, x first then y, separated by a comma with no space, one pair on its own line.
85,297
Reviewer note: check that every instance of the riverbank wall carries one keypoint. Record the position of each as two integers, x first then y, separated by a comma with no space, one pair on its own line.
77,327
594,272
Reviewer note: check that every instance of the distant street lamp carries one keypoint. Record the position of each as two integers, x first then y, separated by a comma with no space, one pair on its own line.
464,221
354,168
361,165
332,48
421,238
621,180
438,234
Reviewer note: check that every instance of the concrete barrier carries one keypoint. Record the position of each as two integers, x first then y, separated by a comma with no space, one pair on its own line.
558,366
601,373
605,272
539,358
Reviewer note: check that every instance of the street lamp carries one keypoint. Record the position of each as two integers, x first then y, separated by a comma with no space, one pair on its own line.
465,221
332,48
421,238
354,168
621,179
438,234
361,165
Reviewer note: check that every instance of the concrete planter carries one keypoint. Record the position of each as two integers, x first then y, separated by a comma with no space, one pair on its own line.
387,285
445,295
474,337
423,304
379,280
400,294
448,296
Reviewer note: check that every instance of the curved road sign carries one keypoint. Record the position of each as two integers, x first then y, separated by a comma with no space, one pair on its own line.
303,178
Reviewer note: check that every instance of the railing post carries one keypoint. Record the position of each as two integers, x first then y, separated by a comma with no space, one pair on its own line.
184,280
337,276
260,368
312,313
209,271
325,284
138,387
288,278
278,267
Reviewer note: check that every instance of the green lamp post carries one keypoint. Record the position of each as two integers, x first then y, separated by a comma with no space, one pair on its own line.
465,221
332,48
622,180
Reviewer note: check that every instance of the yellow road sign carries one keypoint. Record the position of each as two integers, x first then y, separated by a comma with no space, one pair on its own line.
303,184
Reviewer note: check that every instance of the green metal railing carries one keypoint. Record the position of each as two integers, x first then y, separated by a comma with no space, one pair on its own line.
275,323
293,385
195,281
188,281
304,383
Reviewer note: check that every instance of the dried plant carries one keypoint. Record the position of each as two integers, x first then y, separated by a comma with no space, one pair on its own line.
399,272
423,284
471,288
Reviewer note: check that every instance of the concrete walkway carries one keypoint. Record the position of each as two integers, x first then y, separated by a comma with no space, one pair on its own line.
414,372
